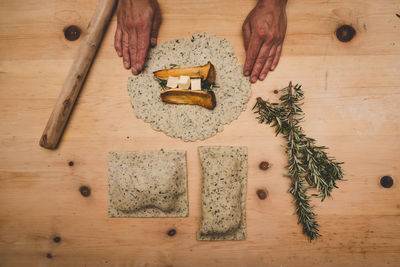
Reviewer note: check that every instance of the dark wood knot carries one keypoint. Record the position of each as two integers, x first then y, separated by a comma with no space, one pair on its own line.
66,106
49,256
386,181
71,163
57,239
264,165
72,33
85,191
171,232
345,33
261,194
276,91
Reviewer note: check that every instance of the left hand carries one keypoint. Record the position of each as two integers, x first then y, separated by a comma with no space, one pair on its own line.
263,32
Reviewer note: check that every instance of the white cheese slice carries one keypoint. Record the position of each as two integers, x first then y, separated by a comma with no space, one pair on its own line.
172,82
184,82
195,84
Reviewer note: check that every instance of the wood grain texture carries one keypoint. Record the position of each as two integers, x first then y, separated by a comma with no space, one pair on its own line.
352,105
77,74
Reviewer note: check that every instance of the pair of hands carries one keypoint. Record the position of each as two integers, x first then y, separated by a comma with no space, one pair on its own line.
263,34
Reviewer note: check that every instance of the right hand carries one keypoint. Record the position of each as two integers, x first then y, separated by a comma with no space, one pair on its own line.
264,31
137,27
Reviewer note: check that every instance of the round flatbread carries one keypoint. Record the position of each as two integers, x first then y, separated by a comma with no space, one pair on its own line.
191,122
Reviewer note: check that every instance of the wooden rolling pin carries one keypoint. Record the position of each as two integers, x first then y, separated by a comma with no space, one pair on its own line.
77,74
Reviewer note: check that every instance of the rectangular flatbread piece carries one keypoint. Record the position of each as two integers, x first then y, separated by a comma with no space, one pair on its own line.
224,181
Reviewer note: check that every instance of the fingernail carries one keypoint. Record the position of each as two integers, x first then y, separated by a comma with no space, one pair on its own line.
273,67
134,71
138,68
253,79
153,41
262,77
126,64
247,73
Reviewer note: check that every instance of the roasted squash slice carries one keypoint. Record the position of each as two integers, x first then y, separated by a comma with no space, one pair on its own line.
200,98
206,72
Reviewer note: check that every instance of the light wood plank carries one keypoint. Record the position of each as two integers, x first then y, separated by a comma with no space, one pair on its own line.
352,105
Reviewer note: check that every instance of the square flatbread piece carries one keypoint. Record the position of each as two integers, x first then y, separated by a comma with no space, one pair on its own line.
147,184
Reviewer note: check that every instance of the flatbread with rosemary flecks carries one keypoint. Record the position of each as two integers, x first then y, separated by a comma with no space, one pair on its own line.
190,122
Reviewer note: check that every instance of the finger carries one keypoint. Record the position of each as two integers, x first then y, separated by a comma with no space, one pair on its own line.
260,62
268,63
143,39
118,41
133,50
125,50
246,34
155,27
277,57
252,52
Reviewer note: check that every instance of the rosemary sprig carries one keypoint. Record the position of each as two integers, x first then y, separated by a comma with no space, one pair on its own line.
162,83
308,163
207,87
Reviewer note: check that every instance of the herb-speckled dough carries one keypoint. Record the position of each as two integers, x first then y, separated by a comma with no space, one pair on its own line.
190,122
224,180
147,184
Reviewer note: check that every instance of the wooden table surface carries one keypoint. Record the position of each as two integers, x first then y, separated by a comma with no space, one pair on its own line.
352,105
